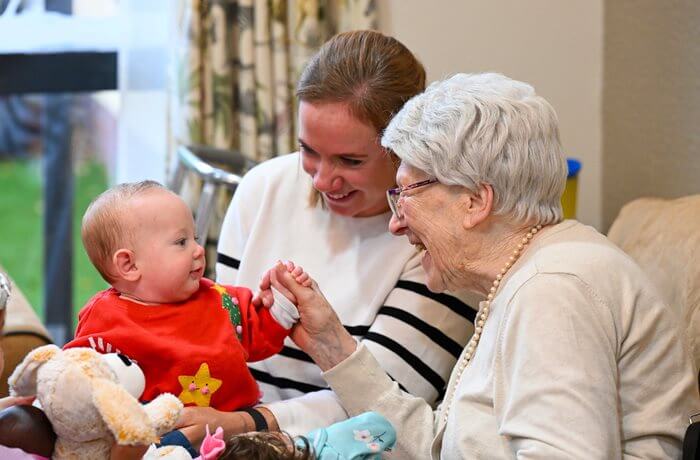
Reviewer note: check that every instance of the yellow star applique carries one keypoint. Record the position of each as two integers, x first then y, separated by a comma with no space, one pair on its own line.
198,388
219,288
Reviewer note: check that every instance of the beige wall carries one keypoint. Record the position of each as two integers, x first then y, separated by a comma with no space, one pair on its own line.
651,107
555,46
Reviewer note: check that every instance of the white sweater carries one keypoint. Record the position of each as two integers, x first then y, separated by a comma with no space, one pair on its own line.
373,279
579,359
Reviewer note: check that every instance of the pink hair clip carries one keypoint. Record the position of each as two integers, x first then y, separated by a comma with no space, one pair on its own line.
213,445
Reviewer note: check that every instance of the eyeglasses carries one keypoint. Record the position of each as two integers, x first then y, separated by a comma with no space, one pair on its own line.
394,194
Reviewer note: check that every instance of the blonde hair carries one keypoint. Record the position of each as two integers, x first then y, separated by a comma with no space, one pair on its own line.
370,72
103,230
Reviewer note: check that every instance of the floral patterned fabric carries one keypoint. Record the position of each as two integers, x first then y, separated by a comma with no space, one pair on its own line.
365,436
237,63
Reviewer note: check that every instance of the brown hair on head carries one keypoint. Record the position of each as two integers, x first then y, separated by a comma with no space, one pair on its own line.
103,230
266,446
370,72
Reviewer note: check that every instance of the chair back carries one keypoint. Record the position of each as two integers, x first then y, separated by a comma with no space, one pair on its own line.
214,168
663,236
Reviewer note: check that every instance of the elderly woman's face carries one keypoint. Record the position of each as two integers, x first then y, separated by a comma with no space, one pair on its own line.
345,160
432,221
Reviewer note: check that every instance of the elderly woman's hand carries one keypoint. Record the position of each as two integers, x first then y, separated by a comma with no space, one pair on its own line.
319,331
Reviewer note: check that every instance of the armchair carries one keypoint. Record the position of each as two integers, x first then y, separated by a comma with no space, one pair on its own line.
23,331
663,237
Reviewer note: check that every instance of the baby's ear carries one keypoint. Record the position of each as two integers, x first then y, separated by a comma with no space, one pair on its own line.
125,265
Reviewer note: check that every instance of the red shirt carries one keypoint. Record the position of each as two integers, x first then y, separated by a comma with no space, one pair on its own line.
190,349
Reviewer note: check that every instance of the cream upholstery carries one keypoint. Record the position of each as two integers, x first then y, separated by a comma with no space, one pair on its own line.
23,332
663,236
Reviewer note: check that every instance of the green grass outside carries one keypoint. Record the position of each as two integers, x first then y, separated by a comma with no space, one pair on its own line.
21,231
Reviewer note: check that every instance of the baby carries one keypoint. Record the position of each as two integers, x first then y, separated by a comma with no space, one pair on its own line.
190,336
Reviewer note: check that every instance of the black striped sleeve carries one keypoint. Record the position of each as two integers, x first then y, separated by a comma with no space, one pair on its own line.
412,360
227,260
285,383
418,335
451,302
281,382
295,353
435,334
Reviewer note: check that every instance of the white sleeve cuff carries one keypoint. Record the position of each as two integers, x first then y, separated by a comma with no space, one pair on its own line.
283,310
298,416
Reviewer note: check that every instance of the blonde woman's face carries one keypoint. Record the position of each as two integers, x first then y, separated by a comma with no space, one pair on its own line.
343,156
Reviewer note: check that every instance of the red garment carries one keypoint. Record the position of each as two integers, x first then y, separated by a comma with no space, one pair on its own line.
189,349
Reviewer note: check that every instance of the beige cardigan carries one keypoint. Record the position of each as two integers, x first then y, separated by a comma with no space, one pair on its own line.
578,359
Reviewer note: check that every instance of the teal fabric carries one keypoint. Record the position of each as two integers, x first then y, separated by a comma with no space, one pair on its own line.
365,436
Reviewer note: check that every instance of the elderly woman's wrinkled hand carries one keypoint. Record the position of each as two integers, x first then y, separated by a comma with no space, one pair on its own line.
319,331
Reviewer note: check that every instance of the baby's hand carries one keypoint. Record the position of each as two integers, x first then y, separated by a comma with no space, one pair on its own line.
300,276
265,297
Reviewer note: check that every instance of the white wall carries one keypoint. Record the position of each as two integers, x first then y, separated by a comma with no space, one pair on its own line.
555,46
651,136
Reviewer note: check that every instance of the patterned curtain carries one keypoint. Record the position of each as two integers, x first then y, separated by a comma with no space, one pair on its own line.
238,61
236,66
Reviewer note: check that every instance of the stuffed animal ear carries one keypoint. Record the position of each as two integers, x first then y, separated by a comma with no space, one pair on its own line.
123,414
23,379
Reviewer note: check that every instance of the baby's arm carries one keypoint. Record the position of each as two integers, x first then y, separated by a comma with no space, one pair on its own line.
266,323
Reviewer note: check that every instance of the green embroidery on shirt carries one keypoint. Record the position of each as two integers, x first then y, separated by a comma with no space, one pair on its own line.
230,304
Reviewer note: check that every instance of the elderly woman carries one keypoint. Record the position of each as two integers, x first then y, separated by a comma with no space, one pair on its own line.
574,355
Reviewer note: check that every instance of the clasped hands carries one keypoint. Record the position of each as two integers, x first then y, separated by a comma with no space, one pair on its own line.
319,333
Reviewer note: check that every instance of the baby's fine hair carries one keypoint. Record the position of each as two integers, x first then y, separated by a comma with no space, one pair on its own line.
103,230
266,446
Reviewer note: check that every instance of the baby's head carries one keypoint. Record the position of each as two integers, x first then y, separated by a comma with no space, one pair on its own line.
267,446
140,237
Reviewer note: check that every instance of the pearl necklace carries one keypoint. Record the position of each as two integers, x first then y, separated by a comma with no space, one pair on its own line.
483,314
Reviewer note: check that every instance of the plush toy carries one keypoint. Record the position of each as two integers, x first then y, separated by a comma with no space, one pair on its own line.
88,409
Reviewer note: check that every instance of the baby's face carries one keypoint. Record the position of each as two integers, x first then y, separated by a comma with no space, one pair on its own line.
165,250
